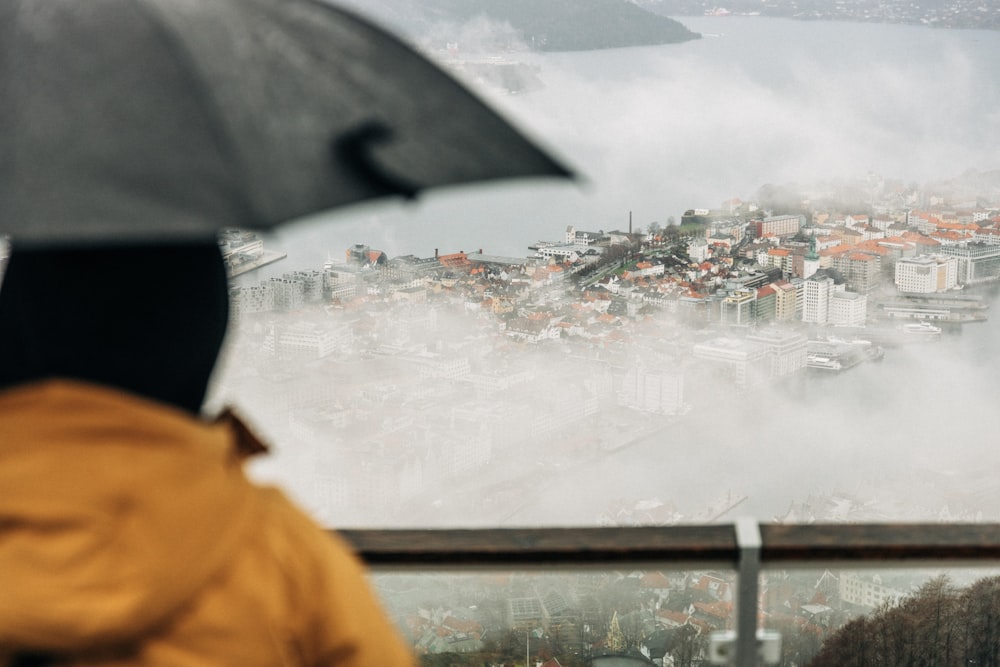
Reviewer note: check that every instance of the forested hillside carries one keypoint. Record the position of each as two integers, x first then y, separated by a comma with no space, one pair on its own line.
940,625
544,25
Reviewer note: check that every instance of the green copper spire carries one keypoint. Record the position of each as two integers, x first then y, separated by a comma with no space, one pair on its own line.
812,255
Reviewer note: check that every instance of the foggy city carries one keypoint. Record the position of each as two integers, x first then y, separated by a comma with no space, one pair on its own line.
656,131
771,293
449,363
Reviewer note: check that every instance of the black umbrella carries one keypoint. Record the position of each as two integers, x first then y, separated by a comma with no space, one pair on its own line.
158,120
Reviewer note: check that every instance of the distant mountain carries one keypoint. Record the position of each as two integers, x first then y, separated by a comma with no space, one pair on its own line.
935,13
544,25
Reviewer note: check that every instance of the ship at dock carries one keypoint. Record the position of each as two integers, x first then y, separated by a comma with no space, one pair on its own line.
244,251
832,354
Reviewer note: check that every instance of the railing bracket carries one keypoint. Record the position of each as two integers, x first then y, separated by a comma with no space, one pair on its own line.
746,645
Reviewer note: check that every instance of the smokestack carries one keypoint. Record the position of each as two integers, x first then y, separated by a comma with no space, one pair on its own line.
630,222
435,253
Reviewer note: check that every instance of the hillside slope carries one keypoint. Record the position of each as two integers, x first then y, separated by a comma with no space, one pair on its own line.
544,25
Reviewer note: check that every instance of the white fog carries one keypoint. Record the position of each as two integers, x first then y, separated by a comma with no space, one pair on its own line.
428,415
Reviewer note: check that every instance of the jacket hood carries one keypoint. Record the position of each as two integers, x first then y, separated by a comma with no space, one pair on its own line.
114,512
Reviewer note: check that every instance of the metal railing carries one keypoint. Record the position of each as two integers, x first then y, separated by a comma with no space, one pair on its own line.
746,546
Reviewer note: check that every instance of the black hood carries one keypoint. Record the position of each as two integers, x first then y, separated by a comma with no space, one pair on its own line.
149,320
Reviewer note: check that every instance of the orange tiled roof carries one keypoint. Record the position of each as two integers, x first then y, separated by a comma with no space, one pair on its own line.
720,610
462,625
654,580
837,250
950,236
454,260
676,617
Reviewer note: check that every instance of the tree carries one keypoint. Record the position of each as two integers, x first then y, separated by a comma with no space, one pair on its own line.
938,626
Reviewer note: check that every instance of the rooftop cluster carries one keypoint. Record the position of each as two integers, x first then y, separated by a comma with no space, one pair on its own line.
663,617
405,380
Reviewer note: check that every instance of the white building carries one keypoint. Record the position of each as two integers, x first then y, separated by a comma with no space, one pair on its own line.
442,366
788,349
926,274
698,249
304,340
289,292
816,305
976,261
780,225
746,363
867,590
247,299
652,391
848,309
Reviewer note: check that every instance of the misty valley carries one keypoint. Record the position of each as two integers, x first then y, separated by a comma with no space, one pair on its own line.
736,315
639,377
470,389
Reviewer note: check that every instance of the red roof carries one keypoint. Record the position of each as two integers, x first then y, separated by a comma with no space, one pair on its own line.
654,580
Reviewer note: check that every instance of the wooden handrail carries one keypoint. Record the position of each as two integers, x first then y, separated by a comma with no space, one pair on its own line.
738,547
867,545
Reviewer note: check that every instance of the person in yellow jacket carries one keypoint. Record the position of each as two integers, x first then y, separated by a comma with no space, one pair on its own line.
129,534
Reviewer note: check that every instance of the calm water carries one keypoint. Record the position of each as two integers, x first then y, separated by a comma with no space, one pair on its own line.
655,131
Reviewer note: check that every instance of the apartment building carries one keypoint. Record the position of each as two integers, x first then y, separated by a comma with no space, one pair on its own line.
848,309
787,349
653,391
818,290
781,226
745,363
787,305
976,261
862,270
927,274
867,590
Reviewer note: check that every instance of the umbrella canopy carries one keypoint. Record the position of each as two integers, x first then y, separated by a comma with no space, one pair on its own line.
165,120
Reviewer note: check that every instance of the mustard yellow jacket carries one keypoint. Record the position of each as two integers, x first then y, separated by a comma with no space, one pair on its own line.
129,535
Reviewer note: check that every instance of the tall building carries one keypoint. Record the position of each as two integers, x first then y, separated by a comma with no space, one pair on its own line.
786,302
248,299
304,340
976,261
818,289
745,363
289,292
862,270
739,307
767,304
782,259
779,225
848,309
653,391
788,349
811,261
927,274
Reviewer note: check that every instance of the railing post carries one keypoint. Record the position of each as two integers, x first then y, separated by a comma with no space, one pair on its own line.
743,648
748,541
